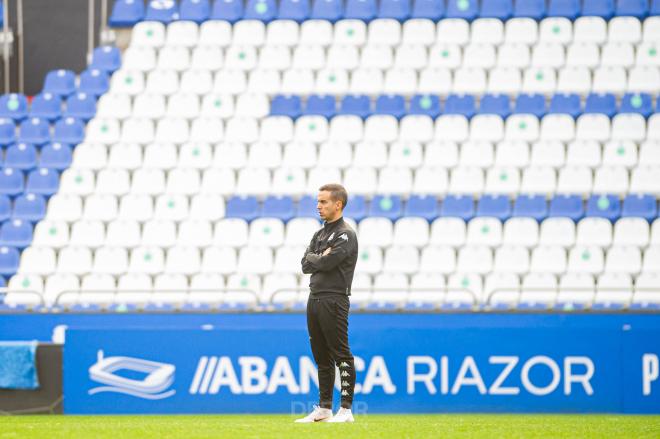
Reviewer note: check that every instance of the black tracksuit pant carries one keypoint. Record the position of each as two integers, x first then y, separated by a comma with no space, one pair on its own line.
327,323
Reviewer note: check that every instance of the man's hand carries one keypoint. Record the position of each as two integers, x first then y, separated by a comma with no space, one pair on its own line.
327,250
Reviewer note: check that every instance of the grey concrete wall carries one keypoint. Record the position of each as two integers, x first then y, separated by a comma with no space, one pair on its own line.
55,37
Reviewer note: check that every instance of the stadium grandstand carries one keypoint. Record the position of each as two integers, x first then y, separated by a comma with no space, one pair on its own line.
502,158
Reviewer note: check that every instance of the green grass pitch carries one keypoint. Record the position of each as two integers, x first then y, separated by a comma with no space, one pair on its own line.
366,426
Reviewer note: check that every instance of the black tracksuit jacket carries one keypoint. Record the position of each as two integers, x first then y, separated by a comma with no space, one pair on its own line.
333,273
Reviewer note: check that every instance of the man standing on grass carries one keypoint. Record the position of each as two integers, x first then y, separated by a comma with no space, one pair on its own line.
330,258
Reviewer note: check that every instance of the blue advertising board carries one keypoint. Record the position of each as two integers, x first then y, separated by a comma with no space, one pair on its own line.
400,369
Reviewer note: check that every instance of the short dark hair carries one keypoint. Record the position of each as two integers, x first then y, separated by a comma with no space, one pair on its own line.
337,193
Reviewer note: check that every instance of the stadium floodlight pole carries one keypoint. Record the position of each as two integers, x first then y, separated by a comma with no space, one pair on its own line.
90,29
5,30
21,50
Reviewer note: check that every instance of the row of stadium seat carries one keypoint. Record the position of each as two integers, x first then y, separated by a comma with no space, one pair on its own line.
349,128
417,57
397,259
26,156
342,155
407,82
433,106
212,207
39,131
463,180
423,290
186,104
373,231
459,288
130,12
48,106
389,33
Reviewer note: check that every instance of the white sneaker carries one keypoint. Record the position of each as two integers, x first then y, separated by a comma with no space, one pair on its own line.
343,415
319,414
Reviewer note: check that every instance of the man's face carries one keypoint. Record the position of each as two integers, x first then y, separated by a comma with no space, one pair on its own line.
328,208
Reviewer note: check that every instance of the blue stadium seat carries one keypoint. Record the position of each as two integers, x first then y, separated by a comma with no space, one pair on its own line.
495,104
126,13
529,8
286,106
296,10
164,11
428,105
361,9
55,156
81,106
395,9
638,205
331,10
461,206
60,82
655,7
531,306
106,58
570,206
607,306
307,207
637,103
29,207
264,10
69,130
598,8
388,206
430,9
11,182
9,260
7,131
5,207
281,207
356,208
46,105
321,105
532,206
94,81
530,104
34,130
646,306
195,10
564,8
498,206
242,207
393,105
566,103
460,104
502,9
632,8
465,9
358,105
604,206
14,106
21,156
604,103
425,206
43,181
227,10
16,233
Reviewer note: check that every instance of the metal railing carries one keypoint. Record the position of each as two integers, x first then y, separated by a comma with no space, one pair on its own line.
519,290
373,293
251,294
364,299
39,295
